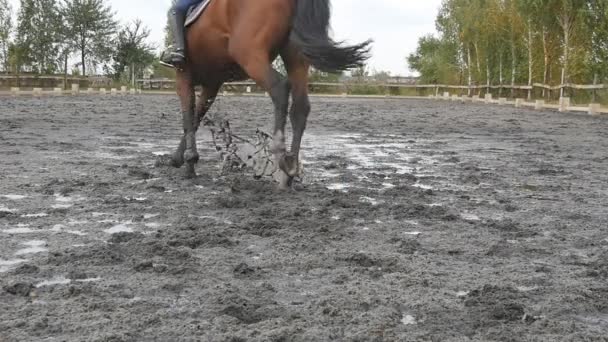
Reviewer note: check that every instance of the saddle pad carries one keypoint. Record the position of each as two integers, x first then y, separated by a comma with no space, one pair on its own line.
195,11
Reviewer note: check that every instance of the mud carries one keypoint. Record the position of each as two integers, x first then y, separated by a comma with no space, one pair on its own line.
415,221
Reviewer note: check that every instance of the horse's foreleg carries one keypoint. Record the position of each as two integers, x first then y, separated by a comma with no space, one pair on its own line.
203,104
185,91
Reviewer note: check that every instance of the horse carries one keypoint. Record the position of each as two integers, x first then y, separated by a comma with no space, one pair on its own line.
235,40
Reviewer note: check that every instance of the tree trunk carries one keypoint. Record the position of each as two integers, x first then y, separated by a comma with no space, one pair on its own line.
478,62
469,68
565,76
84,66
530,61
594,96
488,73
83,48
513,57
65,71
546,61
500,75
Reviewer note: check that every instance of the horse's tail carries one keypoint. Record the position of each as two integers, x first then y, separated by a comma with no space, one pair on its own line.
310,32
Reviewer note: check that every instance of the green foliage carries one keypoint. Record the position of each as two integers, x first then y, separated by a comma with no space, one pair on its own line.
38,35
515,41
132,53
168,30
596,17
435,60
92,27
6,27
161,71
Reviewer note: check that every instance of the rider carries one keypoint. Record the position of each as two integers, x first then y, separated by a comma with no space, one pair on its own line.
177,19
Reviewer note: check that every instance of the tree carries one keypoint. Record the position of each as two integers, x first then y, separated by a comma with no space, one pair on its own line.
132,52
528,39
168,29
567,17
596,19
16,58
360,73
381,75
6,27
93,26
37,34
434,60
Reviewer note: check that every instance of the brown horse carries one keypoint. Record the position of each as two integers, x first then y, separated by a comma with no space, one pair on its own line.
239,39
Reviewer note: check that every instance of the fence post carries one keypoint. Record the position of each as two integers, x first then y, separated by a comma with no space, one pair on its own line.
58,91
539,104
519,103
564,103
75,88
37,91
488,98
102,91
594,109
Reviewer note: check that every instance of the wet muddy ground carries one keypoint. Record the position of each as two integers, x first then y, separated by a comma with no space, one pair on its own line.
416,221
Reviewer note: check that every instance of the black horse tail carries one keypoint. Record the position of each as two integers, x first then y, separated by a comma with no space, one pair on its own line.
310,32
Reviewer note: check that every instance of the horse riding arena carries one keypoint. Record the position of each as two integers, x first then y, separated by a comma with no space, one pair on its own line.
415,220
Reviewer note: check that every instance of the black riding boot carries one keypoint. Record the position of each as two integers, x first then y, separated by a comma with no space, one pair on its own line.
177,57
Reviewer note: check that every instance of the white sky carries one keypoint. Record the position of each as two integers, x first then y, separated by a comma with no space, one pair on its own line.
394,25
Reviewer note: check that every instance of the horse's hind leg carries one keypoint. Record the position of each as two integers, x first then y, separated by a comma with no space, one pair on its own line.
297,69
259,68
203,104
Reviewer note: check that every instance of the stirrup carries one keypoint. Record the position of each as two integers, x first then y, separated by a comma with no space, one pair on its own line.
176,59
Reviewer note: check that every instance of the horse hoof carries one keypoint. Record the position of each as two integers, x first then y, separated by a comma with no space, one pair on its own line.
285,182
176,160
191,156
190,173
289,165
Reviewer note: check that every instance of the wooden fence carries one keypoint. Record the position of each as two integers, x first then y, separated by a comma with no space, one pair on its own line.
479,93
549,92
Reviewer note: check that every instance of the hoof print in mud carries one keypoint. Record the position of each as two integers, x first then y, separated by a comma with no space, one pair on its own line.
495,303
19,289
124,237
243,270
26,269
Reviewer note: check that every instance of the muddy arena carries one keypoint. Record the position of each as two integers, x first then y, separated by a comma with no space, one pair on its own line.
416,220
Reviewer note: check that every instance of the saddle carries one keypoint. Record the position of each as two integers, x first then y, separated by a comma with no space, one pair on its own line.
195,12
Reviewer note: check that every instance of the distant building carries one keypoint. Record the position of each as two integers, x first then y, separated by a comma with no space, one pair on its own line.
408,80
402,80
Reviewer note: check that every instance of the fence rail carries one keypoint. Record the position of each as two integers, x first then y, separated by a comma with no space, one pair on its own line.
413,86
167,83
565,103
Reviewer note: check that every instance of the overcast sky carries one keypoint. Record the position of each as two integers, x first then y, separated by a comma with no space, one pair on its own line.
394,25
